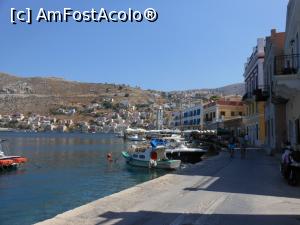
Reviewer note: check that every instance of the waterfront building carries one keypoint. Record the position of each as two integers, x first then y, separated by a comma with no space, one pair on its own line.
216,113
189,118
275,110
254,97
286,79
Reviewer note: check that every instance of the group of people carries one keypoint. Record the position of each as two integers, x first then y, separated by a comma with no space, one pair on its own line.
234,142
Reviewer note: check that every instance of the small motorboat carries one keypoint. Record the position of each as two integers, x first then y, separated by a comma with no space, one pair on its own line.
9,162
178,150
153,156
135,137
185,154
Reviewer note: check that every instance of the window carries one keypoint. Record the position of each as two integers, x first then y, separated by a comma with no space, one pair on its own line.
141,156
240,113
232,113
214,114
223,113
198,112
135,155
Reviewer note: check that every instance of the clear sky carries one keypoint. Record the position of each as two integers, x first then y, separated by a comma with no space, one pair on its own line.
194,43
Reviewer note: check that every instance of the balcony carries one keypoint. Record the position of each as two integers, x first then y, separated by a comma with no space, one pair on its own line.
287,65
262,93
247,97
286,76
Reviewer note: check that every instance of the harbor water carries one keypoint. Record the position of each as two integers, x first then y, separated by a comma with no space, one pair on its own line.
64,171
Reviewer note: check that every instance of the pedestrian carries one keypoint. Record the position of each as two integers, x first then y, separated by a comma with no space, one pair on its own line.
231,145
243,146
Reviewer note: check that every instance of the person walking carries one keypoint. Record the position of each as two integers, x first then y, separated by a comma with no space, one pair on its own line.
243,146
231,145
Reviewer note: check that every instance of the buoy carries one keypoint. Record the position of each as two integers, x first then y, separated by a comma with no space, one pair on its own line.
109,156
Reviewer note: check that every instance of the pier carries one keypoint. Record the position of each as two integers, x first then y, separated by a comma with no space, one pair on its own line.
218,191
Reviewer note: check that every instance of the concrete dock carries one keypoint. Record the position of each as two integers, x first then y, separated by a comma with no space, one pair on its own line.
218,191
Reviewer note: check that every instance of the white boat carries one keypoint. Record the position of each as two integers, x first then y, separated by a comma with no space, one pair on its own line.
135,137
177,149
185,154
150,157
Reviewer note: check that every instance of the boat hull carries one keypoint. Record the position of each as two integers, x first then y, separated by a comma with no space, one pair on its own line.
186,156
161,164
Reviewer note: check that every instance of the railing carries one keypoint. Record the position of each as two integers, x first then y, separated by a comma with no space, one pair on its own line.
262,93
287,64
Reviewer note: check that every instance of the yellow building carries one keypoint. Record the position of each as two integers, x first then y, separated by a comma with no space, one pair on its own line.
220,111
256,95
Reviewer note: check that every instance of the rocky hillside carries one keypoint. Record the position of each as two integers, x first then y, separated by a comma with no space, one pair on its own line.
43,95
40,95
232,89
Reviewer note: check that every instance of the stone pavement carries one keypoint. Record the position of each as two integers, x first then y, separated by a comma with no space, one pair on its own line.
218,191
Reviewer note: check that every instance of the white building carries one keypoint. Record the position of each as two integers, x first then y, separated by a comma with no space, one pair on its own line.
189,118
286,80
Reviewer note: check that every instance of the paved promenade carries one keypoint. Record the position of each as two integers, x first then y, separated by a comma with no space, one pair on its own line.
219,191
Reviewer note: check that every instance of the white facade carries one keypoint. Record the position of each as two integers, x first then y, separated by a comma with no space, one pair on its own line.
189,118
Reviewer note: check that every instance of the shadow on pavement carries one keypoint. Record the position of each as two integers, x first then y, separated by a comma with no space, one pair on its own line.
157,218
258,174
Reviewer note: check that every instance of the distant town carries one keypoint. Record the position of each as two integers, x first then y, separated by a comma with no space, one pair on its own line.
181,111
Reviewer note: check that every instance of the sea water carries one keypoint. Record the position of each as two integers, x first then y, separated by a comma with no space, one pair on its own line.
64,171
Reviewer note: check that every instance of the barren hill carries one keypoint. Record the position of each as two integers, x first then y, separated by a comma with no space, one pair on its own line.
39,95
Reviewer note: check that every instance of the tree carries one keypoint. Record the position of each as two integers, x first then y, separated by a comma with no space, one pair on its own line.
214,98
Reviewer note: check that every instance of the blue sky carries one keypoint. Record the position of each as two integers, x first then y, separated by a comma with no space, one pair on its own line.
194,44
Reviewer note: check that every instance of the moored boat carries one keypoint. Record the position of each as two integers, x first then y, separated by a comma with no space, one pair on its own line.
135,137
153,156
178,150
10,162
185,154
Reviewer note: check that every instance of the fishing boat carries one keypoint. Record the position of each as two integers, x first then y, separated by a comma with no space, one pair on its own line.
9,162
153,156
